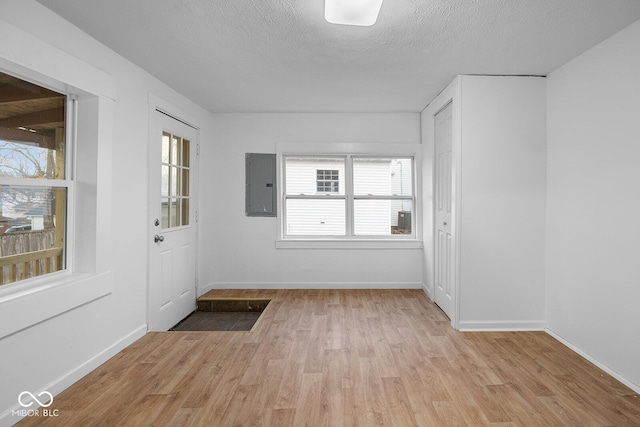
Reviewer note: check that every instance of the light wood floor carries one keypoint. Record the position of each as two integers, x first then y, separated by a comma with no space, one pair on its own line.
346,358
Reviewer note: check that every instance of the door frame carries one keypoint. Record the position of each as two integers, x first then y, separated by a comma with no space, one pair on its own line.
159,105
451,95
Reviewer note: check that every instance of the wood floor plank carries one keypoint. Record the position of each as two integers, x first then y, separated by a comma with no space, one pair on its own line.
346,358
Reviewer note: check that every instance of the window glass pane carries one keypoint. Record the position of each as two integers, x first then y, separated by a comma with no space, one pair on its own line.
185,182
32,130
315,217
304,175
165,181
382,217
175,149
164,208
327,181
382,176
166,138
186,150
32,231
173,213
184,211
174,181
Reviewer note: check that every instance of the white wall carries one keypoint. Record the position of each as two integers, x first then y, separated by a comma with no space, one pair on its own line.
502,202
593,207
52,354
240,251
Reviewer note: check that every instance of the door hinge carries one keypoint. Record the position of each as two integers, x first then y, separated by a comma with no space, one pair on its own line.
198,149
197,216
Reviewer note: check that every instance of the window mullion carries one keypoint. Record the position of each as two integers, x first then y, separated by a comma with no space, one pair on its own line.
349,195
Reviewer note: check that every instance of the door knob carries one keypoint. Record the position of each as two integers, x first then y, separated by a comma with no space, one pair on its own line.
158,238
444,223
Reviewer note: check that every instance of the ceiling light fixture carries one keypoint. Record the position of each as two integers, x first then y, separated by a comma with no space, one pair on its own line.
363,13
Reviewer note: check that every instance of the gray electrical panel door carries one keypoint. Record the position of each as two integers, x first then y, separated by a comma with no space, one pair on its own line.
260,186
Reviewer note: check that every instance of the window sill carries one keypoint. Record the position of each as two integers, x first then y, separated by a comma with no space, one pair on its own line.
44,298
349,244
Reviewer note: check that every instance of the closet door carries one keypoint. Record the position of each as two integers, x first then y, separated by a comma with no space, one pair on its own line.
443,206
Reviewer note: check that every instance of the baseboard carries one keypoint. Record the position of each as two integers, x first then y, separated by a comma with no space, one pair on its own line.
501,326
427,291
65,381
311,285
614,374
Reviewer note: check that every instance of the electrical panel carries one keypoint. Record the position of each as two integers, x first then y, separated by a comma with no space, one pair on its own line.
260,184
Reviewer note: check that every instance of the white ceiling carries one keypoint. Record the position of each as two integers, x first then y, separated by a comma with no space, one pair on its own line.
281,56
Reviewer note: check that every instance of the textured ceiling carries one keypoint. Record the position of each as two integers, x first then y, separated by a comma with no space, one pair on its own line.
281,56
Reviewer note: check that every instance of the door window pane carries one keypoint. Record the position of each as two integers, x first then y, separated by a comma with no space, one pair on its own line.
164,213
173,213
184,211
166,138
185,183
186,152
175,181
175,149
164,183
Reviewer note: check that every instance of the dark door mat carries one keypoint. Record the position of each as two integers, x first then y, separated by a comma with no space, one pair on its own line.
232,304
218,321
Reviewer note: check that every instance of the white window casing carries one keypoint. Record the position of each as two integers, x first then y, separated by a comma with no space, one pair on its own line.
365,217
88,274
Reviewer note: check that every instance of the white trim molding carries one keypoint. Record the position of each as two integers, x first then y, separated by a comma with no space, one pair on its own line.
311,285
52,297
349,244
605,368
67,380
88,275
427,291
501,326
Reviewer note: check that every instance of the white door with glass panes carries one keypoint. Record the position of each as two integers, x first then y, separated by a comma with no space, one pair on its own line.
443,200
172,275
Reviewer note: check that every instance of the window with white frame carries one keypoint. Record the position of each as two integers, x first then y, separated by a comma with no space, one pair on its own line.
328,181
348,196
34,179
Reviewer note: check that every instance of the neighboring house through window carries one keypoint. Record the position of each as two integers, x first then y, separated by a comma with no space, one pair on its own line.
327,181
